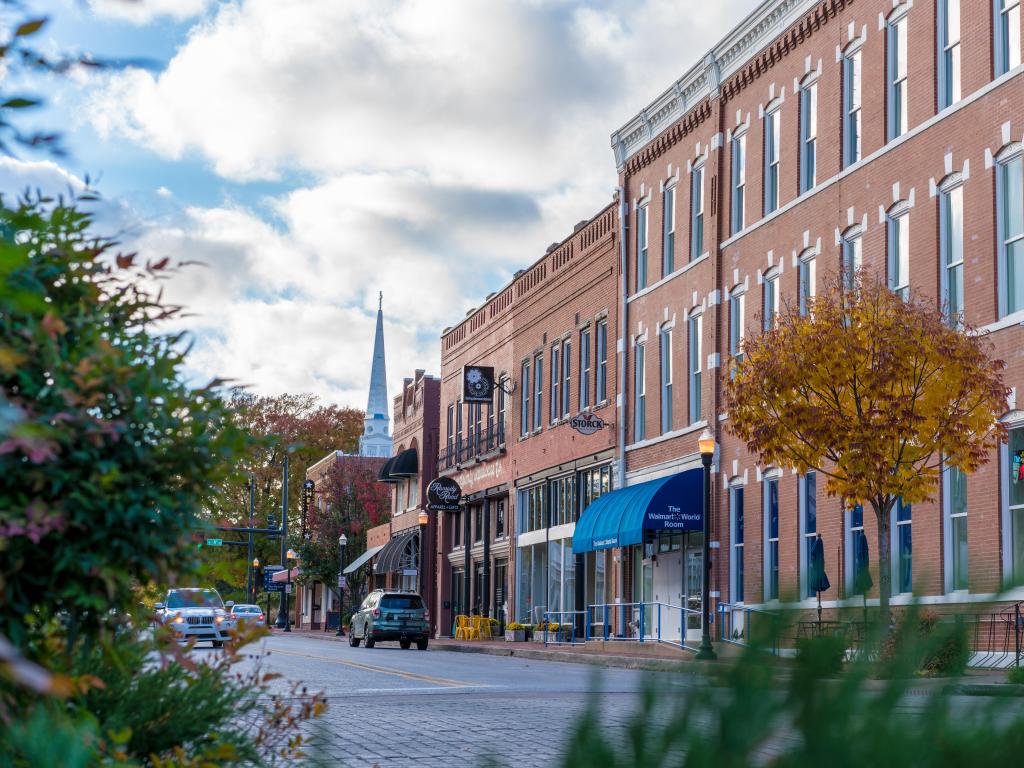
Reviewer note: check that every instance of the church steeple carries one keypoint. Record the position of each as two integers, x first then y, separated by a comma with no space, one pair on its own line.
376,438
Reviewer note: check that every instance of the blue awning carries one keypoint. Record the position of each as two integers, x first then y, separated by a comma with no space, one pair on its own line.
619,518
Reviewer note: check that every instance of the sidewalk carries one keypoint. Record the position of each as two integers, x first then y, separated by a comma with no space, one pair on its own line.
661,657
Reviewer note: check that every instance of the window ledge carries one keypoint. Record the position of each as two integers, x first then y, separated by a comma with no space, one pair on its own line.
667,436
1016,318
668,278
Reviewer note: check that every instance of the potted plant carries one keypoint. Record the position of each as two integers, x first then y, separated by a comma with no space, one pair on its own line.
515,632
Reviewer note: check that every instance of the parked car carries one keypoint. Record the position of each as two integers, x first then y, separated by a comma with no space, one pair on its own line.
386,615
249,614
197,613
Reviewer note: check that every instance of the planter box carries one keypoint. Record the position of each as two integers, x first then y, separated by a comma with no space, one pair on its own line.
515,635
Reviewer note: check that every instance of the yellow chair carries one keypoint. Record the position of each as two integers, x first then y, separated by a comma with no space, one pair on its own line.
484,627
464,629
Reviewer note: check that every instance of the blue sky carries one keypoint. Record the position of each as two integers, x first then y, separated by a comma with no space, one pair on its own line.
312,153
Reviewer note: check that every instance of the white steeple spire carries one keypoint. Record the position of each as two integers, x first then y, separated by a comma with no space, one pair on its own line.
376,438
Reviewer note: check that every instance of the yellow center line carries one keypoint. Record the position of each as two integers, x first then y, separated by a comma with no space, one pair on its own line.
414,676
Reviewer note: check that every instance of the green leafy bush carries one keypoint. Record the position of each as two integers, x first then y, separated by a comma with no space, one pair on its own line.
1016,675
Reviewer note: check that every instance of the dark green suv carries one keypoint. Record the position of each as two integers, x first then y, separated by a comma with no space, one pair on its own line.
386,615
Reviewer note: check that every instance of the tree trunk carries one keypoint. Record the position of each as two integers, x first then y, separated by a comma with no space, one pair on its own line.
882,514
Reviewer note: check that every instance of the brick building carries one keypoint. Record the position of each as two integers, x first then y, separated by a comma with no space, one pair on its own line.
874,134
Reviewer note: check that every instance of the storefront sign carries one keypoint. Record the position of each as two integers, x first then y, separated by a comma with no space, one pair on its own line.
477,384
443,495
673,518
587,423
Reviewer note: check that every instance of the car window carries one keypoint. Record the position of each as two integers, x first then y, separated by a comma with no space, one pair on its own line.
368,602
402,603
245,609
195,598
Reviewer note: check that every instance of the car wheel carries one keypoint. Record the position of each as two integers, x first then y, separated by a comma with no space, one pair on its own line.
368,637
422,644
218,643
405,644
352,639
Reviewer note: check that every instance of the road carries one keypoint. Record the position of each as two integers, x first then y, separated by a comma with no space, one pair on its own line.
393,708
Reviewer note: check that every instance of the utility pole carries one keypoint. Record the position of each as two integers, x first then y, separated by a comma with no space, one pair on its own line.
250,587
282,614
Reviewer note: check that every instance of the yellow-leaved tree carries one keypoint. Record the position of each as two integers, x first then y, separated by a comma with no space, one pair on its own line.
874,392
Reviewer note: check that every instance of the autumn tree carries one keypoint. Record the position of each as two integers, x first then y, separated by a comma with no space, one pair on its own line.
874,392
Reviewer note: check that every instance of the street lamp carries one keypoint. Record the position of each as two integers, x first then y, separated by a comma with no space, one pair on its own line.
255,577
290,555
342,543
706,445
424,519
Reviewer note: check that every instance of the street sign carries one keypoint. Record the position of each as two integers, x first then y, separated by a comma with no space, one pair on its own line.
409,571
214,542
288,588
342,582
268,576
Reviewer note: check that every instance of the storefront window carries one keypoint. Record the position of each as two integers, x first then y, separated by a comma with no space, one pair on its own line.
1016,498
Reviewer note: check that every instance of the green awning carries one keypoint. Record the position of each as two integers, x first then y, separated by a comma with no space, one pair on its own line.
619,518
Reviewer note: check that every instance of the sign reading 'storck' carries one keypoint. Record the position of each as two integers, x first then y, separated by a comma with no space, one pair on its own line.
587,423
443,495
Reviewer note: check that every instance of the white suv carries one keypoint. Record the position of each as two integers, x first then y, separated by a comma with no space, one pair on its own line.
196,613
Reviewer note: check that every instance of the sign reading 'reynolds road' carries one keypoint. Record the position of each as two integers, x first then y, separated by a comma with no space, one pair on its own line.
587,423
477,384
443,495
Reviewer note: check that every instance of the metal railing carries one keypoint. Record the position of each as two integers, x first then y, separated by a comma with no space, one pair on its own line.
628,622
740,625
488,440
567,631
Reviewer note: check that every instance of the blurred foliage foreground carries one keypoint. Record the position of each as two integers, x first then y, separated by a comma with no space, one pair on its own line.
825,707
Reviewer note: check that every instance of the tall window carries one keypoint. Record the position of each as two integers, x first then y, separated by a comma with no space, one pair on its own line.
739,181
499,520
896,73
1015,497
771,299
478,426
1007,34
697,212
502,386
538,391
772,151
808,135
451,435
954,502
851,107
805,281
556,376
524,400
695,355
641,247
948,21
853,257
566,376
771,539
904,549
457,529
668,247
666,381
459,447
1010,193
859,565
584,368
808,498
639,395
951,227
898,225
602,361
736,512
736,326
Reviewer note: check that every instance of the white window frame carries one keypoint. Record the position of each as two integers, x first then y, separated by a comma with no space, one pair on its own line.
697,212
806,536
1005,467
897,235
896,70
738,164
894,552
538,390
853,100
642,243
949,65
736,580
554,409
640,392
668,245
806,280
772,298
695,327
584,383
808,133
601,342
737,322
947,538
566,378
1013,154
772,156
850,574
767,480
852,249
1006,15
525,411
951,248
665,365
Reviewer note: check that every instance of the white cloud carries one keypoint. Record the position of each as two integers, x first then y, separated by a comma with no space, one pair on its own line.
430,135
145,11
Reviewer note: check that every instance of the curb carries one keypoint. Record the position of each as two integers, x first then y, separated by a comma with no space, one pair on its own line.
995,690
595,660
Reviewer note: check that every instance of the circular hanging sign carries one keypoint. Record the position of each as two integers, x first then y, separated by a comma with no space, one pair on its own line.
587,423
443,495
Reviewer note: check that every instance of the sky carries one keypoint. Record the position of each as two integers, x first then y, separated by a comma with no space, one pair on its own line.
310,153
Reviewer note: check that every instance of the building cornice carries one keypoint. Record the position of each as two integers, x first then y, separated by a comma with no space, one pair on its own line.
711,76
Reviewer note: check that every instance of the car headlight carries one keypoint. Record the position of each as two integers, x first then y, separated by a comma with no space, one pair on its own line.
179,619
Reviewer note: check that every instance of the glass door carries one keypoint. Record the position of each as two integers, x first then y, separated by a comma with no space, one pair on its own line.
694,566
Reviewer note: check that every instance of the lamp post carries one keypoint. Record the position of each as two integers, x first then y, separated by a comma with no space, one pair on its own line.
290,555
424,520
706,444
342,543
255,579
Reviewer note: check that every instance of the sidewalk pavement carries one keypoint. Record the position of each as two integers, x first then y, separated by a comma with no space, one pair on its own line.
662,657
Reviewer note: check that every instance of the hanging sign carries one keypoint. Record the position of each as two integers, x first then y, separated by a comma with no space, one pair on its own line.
477,384
443,495
587,423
